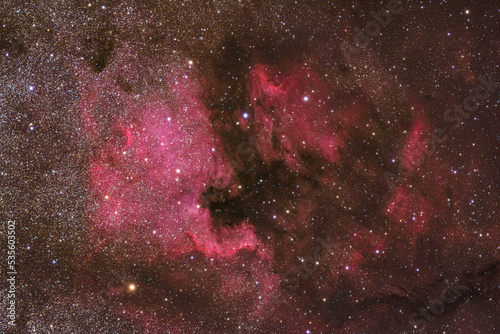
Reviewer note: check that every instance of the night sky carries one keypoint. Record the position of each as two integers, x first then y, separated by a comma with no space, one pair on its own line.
250,166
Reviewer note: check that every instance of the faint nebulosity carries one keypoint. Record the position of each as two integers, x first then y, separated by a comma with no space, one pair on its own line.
251,166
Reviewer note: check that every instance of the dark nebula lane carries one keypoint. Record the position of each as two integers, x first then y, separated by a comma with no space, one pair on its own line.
250,167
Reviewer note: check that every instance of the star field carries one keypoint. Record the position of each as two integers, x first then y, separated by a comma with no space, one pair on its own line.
250,166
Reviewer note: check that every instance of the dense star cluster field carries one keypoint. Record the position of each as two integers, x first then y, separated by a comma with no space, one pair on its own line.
250,166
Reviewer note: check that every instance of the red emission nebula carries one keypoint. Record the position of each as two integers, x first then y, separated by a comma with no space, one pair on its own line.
250,167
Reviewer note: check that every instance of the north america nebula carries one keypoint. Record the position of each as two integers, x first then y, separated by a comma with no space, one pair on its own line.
250,166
